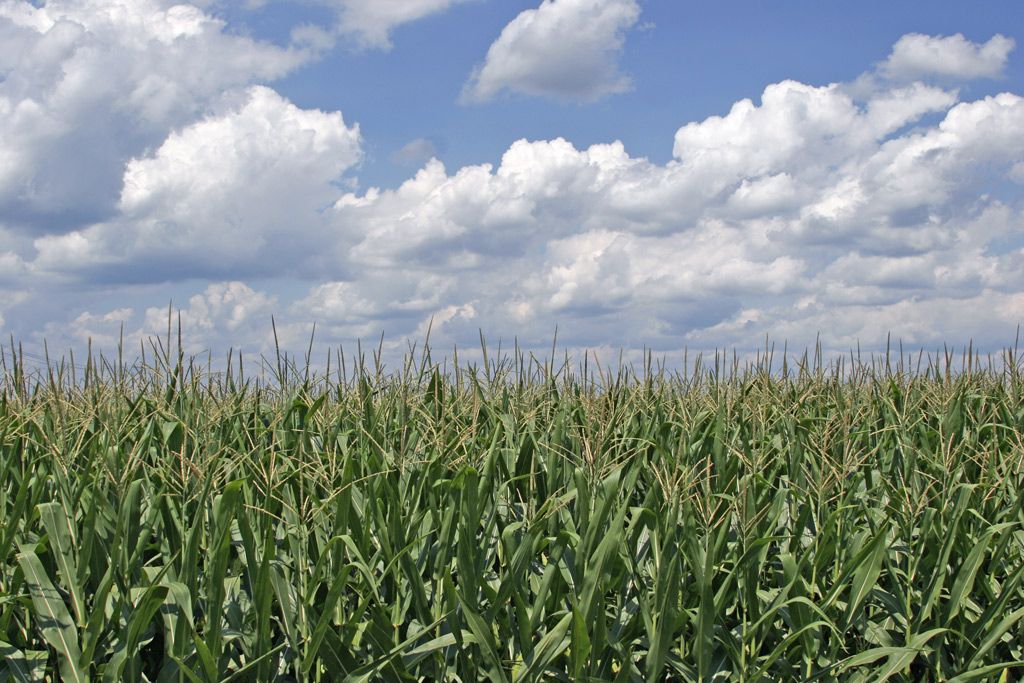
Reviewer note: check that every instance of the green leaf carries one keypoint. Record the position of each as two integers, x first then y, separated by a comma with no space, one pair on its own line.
551,645
993,636
60,531
224,510
51,616
968,571
481,630
984,672
24,667
866,575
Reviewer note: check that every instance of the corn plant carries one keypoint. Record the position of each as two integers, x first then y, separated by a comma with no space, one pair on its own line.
514,520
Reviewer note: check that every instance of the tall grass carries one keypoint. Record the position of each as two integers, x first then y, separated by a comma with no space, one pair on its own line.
516,520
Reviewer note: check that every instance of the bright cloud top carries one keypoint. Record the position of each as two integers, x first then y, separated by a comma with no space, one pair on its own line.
565,50
89,83
219,197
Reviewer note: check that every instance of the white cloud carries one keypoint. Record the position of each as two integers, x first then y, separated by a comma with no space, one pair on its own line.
565,49
1016,173
106,330
803,126
223,311
809,196
810,209
227,307
367,23
988,318
89,83
12,268
375,298
414,152
919,56
241,189
444,318
372,21
614,270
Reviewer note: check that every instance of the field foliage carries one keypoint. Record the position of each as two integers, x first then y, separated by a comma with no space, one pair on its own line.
513,520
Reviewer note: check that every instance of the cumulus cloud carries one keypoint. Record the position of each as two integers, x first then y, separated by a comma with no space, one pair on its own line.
89,83
221,311
565,49
227,308
796,152
807,209
239,190
808,199
105,330
920,56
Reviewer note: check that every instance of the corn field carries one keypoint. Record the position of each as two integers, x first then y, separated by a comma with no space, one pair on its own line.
512,520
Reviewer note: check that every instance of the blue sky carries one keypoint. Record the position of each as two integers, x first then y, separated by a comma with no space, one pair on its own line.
637,173
687,61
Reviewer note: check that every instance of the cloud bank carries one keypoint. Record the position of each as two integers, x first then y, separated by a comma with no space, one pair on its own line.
809,208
